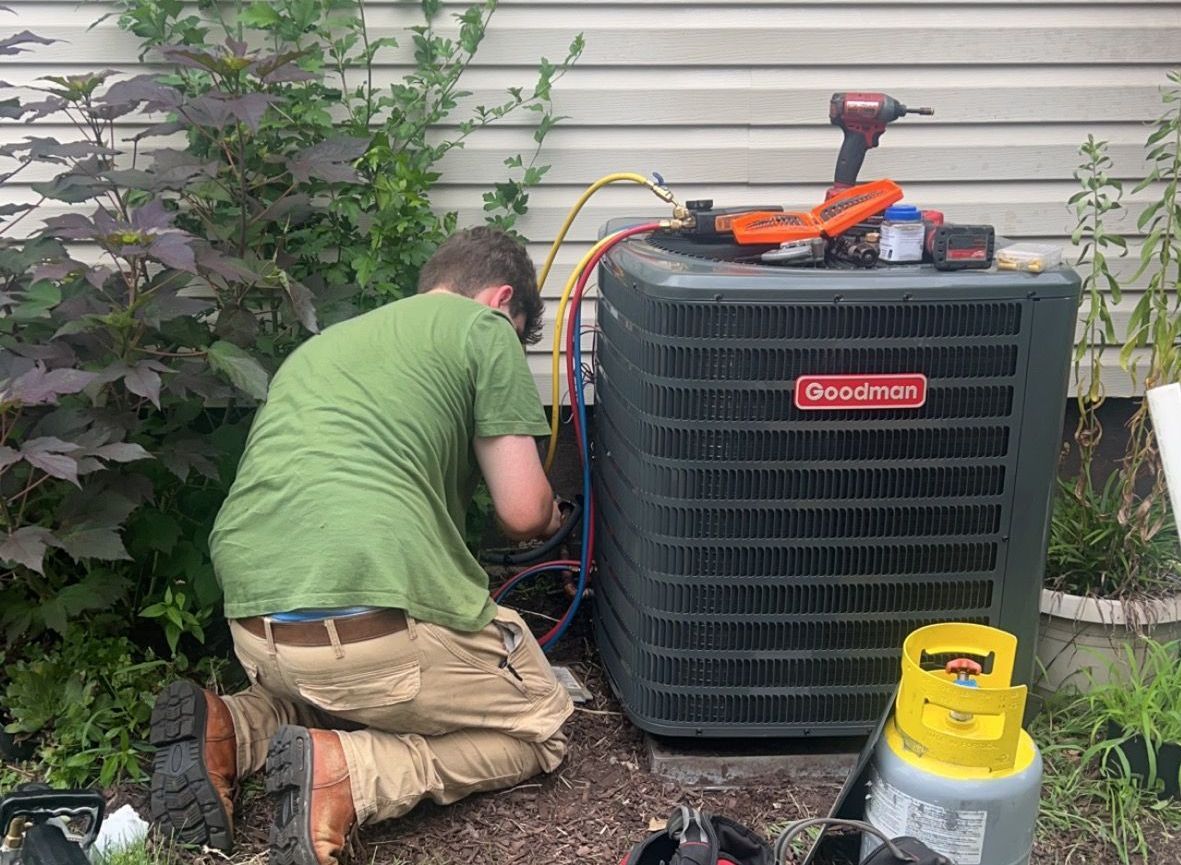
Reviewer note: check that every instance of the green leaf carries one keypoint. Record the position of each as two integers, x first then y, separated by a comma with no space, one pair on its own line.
243,371
153,531
205,587
82,324
1125,354
1148,213
548,122
109,772
39,299
53,613
97,592
261,15
533,174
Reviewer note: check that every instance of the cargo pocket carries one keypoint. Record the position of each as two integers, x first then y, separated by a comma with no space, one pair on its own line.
523,657
371,689
501,650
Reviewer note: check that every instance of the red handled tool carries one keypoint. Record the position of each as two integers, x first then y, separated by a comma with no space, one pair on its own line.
863,117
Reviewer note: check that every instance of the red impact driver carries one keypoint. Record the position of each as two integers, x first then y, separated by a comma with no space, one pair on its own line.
863,117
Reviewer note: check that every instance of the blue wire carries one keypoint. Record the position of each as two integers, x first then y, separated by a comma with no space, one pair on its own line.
579,396
587,502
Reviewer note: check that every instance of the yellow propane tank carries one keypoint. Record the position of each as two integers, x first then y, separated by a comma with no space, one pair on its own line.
954,768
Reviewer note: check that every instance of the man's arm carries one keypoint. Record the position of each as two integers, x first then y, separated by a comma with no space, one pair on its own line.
521,495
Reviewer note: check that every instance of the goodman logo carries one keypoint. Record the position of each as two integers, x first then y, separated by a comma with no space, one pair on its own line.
832,392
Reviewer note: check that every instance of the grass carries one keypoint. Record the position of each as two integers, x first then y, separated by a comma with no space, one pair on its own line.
800,845
1083,807
143,852
1096,550
1146,700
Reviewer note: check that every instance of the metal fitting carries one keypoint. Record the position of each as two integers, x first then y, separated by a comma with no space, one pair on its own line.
15,836
664,193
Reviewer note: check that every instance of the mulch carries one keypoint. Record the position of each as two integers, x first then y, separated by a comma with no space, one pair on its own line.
600,802
593,809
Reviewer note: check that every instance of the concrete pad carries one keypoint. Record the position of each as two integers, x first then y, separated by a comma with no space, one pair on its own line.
721,763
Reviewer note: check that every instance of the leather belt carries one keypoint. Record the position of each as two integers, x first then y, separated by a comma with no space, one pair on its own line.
350,629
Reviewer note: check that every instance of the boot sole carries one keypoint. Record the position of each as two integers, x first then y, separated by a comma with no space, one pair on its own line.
183,798
289,784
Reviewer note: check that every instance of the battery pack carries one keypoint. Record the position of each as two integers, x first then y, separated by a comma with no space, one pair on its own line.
959,247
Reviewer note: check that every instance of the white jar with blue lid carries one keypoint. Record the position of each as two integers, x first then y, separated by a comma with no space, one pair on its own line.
902,234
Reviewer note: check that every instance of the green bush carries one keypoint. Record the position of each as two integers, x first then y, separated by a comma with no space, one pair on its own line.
1089,794
88,702
139,330
1142,694
1113,538
1093,552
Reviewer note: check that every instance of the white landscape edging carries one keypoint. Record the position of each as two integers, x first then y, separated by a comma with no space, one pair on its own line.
1079,633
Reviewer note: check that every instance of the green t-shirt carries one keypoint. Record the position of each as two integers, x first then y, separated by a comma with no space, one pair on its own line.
358,470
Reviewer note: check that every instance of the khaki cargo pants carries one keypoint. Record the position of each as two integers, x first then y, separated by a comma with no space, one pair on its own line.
427,712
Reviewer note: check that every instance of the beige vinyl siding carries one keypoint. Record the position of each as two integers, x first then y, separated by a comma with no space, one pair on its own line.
728,100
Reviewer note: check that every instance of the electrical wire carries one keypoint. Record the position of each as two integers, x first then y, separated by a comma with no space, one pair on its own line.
783,842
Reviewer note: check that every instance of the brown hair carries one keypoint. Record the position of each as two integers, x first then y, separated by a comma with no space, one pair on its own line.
473,259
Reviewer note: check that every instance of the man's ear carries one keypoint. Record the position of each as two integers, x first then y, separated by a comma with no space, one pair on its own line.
501,296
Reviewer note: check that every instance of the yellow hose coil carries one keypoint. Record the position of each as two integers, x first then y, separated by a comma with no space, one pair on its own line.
555,403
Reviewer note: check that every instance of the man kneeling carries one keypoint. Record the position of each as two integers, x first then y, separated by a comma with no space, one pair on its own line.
381,671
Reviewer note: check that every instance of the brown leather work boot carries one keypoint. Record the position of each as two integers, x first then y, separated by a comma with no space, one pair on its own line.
195,767
308,778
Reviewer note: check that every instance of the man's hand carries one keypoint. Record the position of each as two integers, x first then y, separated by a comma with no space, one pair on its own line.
521,495
555,521
561,512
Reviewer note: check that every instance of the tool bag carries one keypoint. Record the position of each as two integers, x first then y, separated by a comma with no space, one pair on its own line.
694,838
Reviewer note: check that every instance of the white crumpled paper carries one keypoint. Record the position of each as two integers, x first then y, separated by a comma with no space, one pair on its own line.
119,831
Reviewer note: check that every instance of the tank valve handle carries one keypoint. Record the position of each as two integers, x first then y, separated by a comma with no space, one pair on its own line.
963,669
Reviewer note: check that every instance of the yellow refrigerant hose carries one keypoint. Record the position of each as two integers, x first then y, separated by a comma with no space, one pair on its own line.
620,177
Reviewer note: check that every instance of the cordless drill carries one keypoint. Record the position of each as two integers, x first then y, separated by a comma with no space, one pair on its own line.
863,117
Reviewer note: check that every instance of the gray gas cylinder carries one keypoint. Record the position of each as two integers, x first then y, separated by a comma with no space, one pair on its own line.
953,767
972,821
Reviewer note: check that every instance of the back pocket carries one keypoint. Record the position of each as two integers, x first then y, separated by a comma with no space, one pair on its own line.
371,689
